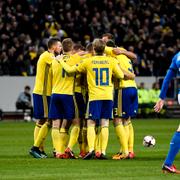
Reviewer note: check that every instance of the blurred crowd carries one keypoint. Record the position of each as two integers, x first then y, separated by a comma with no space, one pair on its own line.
151,29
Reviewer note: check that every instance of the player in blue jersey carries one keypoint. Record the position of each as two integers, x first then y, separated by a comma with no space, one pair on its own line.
175,141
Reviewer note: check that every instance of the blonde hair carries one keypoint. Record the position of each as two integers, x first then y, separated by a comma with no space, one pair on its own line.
99,46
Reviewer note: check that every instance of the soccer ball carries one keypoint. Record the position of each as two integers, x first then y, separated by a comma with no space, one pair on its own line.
149,141
27,118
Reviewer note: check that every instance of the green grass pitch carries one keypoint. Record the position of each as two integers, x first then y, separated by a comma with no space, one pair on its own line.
16,139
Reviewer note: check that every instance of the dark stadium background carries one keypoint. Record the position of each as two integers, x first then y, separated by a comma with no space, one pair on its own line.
151,29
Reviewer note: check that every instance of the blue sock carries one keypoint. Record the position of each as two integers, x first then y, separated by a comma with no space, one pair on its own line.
174,148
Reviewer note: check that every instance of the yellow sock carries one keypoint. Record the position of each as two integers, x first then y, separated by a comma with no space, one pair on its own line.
80,139
84,140
63,138
42,134
104,136
131,138
66,139
73,136
91,135
36,131
41,147
126,127
56,139
121,134
98,140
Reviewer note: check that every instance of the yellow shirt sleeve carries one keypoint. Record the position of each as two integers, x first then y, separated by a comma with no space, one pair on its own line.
67,68
117,71
108,51
81,67
49,57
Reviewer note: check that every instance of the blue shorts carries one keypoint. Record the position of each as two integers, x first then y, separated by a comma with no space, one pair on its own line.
61,107
125,102
80,107
100,109
41,106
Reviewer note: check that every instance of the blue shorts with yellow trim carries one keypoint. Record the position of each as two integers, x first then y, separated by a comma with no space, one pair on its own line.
41,106
125,102
100,109
62,107
80,106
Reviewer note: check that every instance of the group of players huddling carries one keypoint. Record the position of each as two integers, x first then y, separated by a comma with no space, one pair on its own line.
77,89
84,89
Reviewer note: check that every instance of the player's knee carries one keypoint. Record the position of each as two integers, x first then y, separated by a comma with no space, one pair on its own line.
56,124
66,124
76,122
41,121
126,121
117,121
90,123
104,123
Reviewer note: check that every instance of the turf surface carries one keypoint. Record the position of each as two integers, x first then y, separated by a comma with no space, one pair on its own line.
16,139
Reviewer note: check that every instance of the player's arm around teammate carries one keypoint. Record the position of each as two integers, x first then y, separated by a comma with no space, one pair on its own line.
99,73
125,105
107,37
62,107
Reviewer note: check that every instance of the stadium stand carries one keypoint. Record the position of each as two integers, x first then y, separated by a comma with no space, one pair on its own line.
149,28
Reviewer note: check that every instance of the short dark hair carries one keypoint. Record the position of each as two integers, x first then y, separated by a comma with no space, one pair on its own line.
27,88
110,43
67,44
52,41
78,46
109,35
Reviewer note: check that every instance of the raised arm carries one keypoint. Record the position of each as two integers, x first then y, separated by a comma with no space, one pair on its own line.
129,54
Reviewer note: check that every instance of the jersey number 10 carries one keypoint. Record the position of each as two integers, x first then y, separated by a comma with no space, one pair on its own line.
101,76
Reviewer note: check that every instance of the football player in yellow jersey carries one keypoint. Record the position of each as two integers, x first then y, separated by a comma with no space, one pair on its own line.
82,99
116,51
99,70
120,130
90,53
62,106
125,107
42,94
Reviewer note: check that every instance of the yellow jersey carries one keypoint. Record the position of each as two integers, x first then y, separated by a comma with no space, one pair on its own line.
80,81
99,70
109,51
43,81
63,82
126,64
78,77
